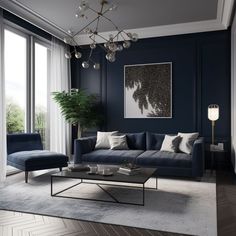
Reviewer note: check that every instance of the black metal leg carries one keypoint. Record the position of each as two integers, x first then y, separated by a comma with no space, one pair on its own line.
108,193
60,168
115,200
143,194
51,187
55,194
26,176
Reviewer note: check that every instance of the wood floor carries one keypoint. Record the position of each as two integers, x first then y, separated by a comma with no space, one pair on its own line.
226,203
22,224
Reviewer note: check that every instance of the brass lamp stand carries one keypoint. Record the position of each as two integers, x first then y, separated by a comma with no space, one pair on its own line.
213,115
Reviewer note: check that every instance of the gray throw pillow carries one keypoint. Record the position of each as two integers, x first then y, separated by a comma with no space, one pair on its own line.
187,140
170,143
103,139
118,142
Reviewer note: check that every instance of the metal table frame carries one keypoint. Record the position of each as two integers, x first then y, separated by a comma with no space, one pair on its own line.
142,185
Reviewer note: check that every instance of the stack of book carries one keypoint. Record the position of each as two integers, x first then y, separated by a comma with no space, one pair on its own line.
126,170
78,168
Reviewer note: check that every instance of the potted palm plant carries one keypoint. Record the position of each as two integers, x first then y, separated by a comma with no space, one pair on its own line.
78,108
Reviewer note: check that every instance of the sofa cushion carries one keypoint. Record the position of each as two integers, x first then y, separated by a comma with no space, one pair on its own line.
23,142
170,143
136,141
37,158
118,142
102,141
166,159
154,141
187,140
111,156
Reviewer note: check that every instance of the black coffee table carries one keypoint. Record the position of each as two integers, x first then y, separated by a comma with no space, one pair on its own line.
138,179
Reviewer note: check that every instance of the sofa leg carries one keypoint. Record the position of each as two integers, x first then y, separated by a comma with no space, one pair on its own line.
26,176
60,168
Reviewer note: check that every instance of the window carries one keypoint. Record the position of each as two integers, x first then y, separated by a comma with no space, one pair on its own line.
15,81
41,56
26,82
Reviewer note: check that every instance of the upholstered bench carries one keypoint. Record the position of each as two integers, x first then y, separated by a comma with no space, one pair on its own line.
25,152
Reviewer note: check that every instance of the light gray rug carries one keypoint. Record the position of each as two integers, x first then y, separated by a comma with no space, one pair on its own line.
181,206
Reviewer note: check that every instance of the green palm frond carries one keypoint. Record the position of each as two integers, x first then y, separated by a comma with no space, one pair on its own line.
78,107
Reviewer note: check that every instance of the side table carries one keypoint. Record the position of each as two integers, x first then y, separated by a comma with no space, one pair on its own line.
216,157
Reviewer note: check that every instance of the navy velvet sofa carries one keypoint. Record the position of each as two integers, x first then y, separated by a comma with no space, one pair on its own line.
25,152
144,150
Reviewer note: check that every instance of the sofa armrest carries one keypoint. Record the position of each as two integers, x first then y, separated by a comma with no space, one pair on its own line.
82,146
198,158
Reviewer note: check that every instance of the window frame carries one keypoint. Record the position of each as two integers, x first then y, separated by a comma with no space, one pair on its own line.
31,39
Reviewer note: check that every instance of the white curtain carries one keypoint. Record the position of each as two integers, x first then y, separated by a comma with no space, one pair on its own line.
60,135
2,107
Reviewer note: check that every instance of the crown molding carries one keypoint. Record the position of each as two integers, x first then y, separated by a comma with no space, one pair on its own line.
222,21
159,31
224,12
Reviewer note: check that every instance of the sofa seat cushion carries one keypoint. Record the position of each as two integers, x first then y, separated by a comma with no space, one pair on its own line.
31,159
111,156
166,159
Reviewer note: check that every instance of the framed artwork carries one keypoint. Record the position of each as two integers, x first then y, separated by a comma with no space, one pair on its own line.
148,90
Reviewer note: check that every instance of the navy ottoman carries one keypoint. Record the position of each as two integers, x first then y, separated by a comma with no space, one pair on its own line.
25,152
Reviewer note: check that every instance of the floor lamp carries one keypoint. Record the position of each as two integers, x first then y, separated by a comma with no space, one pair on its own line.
213,115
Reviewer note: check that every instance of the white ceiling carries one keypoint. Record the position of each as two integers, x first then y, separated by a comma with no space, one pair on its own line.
149,18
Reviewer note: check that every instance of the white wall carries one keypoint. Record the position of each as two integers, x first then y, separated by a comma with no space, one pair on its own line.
233,91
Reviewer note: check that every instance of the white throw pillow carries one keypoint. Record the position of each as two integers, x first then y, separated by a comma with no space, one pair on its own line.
118,142
187,140
103,139
170,143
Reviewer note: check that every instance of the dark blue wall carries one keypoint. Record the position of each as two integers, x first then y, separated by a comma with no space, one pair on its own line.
200,74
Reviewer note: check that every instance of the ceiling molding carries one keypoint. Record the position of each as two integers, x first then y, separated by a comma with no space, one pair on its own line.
159,31
227,12
222,21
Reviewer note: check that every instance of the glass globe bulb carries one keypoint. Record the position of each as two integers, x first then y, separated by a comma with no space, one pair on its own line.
85,64
106,45
78,55
129,35
111,56
126,44
87,31
108,55
96,66
83,6
93,46
113,7
67,55
112,47
112,59
67,40
134,37
119,47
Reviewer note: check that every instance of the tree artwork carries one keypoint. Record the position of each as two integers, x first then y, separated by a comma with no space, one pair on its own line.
148,91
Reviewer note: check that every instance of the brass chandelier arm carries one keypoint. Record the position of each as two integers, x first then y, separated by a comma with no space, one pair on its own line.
116,27
102,37
85,27
111,46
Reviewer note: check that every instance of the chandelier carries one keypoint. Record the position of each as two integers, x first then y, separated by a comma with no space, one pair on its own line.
113,43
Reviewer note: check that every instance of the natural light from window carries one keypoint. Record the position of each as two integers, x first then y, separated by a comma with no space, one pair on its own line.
41,78
15,81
